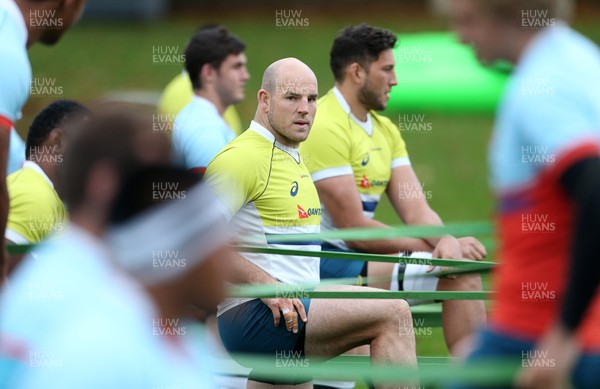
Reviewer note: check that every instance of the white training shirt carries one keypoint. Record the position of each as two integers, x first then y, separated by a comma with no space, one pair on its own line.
199,133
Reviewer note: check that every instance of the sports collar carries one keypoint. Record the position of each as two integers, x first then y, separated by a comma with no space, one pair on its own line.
367,126
35,167
255,126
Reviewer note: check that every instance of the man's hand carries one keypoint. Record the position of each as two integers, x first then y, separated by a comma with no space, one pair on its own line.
289,308
557,349
448,248
472,249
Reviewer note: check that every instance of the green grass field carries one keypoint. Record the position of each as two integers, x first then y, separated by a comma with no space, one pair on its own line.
450,160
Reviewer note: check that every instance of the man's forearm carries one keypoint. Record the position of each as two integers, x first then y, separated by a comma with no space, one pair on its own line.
427,217
414,209
242,271
387,246
582,183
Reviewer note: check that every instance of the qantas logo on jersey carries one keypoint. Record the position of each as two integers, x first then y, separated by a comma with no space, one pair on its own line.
302,214
365,183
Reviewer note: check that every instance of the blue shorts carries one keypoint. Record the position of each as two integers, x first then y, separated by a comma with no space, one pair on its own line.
249,329
340,268
493,344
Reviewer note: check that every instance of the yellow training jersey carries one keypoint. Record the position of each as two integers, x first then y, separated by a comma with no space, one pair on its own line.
268,191
340,144
35,208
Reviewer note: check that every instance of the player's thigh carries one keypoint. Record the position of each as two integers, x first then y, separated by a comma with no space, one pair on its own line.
338,325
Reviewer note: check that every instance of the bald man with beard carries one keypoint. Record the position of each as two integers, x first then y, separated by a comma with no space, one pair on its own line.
268,191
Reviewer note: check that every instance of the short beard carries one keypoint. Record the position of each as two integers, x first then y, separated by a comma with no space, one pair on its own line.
369,99
275,128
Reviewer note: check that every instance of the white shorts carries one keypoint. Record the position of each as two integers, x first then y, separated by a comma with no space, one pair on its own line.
416,278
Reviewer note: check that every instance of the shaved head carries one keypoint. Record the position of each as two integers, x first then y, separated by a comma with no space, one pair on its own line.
287,101
284,69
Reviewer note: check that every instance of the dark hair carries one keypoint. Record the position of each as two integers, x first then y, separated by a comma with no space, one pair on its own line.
362,44
115,137
137,193
51,117
210,45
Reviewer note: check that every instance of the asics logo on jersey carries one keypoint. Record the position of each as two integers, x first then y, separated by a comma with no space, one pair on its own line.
294,190
365,160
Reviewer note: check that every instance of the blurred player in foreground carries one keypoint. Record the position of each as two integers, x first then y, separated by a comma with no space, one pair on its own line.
23,23
216,64
268,190
545,170
215,75
36,207
75,315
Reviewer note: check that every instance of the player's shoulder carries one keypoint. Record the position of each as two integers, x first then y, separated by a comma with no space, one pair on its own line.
331,122
250,151
330,113
198,117
26,184
561,65
27,181
385,125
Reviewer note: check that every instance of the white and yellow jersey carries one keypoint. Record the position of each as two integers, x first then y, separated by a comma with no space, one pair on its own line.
268,191
35,211
339,144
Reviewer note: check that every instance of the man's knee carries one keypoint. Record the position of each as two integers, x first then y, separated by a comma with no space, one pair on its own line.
466,282
397,312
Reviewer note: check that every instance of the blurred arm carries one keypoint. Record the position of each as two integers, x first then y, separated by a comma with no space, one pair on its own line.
4,142
582,182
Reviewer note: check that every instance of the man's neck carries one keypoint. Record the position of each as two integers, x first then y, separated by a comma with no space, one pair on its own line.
49,170
214,98
521,42
89,219
265,123
351,96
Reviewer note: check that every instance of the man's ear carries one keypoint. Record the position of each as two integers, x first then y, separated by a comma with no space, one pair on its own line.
207,74
264,99
356,73
56,138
